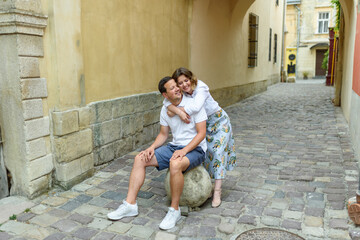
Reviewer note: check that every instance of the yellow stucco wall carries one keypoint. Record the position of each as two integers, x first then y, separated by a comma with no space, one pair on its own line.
219,41
107,49
99,50
290,26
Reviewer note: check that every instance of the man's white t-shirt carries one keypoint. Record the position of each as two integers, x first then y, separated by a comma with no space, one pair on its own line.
183,133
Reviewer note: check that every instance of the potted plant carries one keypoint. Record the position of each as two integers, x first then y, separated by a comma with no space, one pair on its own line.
306,75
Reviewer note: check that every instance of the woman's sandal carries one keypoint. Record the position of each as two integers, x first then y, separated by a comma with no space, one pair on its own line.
216,202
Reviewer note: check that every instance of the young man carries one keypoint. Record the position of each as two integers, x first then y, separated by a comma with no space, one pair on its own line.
186,151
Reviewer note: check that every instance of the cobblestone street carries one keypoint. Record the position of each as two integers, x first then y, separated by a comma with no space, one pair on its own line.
296,170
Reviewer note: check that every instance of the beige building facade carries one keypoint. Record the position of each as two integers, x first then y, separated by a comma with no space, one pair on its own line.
307,31
79,78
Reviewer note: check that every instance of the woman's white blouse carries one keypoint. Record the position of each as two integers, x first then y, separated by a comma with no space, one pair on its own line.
202,98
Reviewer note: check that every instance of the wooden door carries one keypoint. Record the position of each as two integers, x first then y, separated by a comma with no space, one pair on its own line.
319,59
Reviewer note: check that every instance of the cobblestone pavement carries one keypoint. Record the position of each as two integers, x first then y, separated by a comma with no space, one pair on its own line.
296,169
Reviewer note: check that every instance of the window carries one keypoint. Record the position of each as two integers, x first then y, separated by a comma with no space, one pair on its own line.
270,44
277,2
253,40
275,48
323,22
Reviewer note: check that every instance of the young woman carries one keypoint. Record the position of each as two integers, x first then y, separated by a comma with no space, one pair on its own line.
220,155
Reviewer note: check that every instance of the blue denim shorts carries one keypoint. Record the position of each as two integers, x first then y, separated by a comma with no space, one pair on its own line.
164,153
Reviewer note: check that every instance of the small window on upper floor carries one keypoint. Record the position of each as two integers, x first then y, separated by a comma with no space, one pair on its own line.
323,22
277,2
270,44
275,48
253,40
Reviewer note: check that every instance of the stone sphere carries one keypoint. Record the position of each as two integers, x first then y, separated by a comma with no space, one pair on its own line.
197,187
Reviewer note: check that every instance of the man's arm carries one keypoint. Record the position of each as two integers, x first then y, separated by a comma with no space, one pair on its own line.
201,133
159,141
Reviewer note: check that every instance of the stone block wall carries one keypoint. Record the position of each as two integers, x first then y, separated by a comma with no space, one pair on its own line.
25,126
72,147
231,95
101,132
274,78
124,124
36,124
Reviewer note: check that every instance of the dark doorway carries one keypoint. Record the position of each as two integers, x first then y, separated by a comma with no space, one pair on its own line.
319,72
4,186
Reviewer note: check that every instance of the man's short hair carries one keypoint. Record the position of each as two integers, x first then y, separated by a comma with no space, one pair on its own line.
162,83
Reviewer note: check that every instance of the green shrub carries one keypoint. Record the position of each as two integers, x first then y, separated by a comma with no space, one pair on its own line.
324,64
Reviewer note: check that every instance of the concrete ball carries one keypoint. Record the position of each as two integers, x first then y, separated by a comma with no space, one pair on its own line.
197,187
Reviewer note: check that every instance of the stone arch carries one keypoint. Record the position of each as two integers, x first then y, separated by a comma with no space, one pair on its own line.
347,5
241,7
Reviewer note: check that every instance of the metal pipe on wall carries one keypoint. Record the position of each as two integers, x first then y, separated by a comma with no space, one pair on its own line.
297,41
283,44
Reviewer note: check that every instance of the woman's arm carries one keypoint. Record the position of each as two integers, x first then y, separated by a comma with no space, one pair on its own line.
172,111
202,93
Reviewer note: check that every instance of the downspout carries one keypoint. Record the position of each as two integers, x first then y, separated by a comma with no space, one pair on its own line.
297,42
282,45
339,61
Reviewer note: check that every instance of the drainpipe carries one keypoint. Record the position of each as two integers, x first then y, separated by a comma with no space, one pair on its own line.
297,41
282,44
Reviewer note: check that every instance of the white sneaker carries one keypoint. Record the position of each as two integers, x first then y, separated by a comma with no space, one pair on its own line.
124,210
171,218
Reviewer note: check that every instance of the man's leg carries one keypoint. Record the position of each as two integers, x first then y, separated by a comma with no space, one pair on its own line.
129,207
137,176
177,167
176,186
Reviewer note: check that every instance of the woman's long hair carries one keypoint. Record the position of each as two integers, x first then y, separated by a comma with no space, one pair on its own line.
187,73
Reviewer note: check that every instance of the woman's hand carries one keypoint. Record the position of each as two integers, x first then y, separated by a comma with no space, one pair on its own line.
170,113
184,117
178,154
180,111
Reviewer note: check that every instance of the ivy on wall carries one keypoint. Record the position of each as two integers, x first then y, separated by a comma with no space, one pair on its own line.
324,64
336,4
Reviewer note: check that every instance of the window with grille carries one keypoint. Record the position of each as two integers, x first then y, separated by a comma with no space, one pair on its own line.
275,48
270,44
323,22
253,39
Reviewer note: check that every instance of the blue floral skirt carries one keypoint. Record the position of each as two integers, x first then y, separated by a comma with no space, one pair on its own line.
220,154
